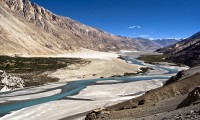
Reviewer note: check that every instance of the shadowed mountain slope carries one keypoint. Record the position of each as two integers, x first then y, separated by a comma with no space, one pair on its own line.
186,51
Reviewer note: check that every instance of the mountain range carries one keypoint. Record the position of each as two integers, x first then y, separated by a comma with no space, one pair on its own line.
167,42
161,42
27,28
186,51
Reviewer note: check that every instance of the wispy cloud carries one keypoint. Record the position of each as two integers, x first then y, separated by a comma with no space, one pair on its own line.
131,27
147,37
144,36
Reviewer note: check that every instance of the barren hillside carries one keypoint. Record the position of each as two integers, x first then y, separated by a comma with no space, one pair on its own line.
27,28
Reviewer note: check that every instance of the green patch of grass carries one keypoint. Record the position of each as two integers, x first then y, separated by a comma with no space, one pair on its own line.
35,64
151,59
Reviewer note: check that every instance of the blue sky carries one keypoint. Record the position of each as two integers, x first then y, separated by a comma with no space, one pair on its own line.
133,18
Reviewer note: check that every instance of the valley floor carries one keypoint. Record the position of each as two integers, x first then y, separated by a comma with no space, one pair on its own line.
89,94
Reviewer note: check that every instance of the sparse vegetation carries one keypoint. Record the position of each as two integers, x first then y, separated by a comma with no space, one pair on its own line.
35,80
154,59
143,70
31,70
151,59
27,65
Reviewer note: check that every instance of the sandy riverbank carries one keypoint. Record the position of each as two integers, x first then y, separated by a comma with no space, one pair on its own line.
82,53
96,69
102,65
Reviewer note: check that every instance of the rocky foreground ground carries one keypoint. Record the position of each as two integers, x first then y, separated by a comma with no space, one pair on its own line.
188,109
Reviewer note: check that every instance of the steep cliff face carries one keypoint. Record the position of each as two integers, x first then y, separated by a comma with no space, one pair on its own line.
27,28
186,51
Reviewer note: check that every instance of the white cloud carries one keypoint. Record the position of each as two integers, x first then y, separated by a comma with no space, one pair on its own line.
131,27
133,33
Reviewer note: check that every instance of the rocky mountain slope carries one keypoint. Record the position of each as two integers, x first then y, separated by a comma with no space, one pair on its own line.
186,51
27,28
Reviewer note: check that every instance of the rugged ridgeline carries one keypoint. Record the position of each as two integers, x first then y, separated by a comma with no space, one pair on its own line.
161,42
27,28
186,51
166,42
